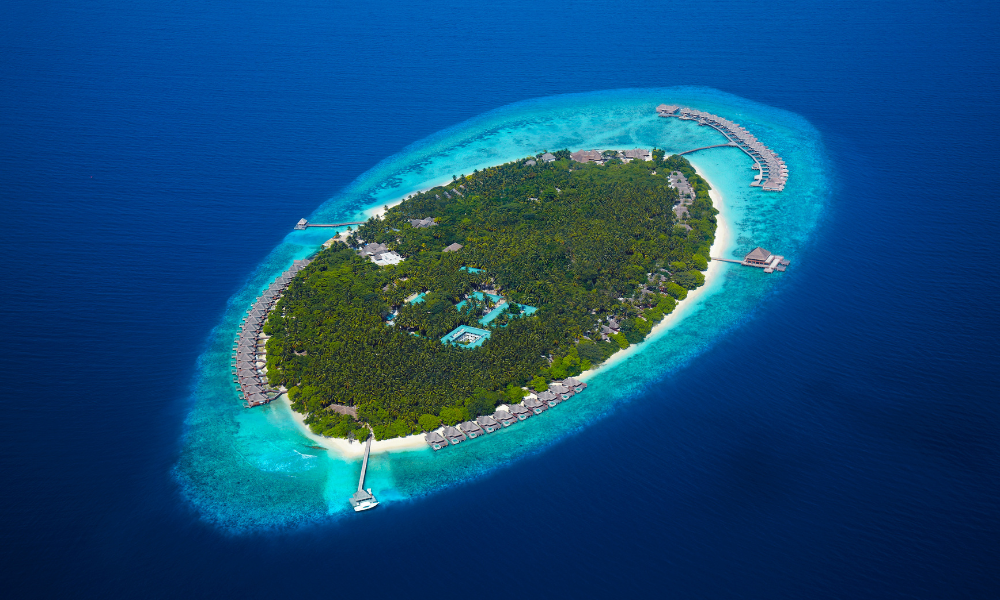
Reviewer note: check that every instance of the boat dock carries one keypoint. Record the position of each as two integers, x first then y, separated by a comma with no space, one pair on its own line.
302,224
761,259
249,352
363,499
773,171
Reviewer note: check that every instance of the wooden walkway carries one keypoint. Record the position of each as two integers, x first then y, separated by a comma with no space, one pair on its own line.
364,463
729,145
303,224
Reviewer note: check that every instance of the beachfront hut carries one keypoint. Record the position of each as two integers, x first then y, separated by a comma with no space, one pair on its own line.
471,429
452,248
453,435
488,423
549,157
586,156
504,418
575,384
547,398
638,154
535,405
520,412
757,257
436,440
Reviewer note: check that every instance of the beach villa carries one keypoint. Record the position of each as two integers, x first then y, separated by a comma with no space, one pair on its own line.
471,429
436,440
453,435
488,423
535,406
504,418
520,412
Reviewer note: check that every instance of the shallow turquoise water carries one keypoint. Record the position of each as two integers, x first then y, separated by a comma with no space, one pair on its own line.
251,469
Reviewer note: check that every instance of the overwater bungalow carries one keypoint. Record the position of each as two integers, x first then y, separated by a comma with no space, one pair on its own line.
488,423
436,440
520,412
504,418
575,384
535,405
757,257
561,391
471,429
453,435
547,398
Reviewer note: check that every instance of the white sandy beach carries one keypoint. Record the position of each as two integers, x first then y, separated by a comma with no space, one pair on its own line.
723,241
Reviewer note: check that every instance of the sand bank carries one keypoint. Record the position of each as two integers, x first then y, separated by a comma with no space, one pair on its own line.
351,449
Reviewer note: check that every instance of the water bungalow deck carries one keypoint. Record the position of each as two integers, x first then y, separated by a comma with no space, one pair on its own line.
249,354
773,170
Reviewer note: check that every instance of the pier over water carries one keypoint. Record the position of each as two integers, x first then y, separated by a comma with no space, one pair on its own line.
773,170
302,224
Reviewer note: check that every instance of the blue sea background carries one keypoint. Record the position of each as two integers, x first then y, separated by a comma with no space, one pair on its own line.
831,432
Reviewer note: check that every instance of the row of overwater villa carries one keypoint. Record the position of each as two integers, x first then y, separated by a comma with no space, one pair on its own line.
773,171
249,354
506,415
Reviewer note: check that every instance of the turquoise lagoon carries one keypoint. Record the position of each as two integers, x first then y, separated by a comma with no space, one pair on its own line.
247,470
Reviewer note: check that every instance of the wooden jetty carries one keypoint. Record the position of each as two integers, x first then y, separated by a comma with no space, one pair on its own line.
773,171
364,499
302,224
761,259
249,353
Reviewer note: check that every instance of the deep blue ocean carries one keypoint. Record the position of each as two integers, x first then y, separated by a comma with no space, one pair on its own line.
838,437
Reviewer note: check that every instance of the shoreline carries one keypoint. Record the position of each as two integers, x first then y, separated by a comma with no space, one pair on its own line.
721,243
416,442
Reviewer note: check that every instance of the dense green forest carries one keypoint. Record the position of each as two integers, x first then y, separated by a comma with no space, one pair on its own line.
581,242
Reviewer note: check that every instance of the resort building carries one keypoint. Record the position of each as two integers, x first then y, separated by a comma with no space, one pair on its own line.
488,423
757,257
637,154
504,418
561,391
535,406
471,429
520,412
548,157
387,258
422,223
453,435
452,247
667,110
586,156
546,398
436,440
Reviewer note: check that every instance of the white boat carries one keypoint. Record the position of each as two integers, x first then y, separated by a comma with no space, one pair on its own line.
363,500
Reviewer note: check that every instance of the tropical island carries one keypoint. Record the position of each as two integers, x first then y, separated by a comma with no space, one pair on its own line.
467,295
